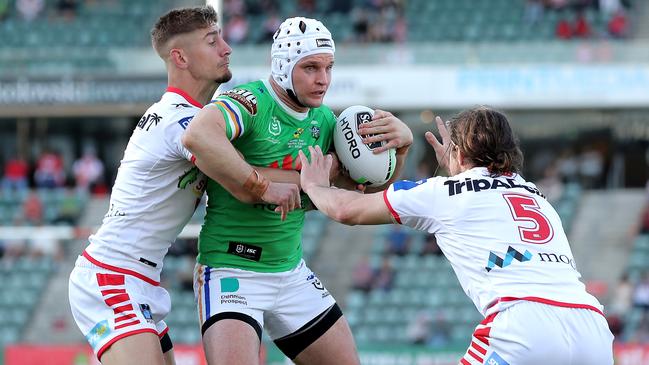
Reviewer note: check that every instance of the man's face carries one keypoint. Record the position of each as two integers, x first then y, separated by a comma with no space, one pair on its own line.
209,55
311,78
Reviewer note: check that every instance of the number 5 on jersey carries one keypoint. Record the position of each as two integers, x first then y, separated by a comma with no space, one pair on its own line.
526,209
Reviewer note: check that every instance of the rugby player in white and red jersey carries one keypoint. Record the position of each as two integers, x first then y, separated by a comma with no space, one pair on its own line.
503,239
114,289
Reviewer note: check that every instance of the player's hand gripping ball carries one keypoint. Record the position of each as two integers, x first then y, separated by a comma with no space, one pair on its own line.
364,166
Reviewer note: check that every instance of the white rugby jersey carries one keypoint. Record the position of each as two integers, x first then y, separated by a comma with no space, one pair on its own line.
155,194
503,239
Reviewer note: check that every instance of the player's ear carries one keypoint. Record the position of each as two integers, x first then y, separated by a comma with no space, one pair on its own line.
459,156
178,57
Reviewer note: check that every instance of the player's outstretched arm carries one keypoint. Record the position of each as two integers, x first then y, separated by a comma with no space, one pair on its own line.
345,206
205,138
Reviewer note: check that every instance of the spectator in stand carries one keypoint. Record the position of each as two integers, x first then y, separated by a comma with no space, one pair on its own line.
88,171
419,329
641,293
580,5
644,222
33,209
4,9
533,12
568,166
641,333
234,7
69,209
15,177
362,275
49,170
609,7
236,29
591,168
271,23
306,7
551,185
557,4
42,243
398,241
563,29
441,333
360,24
384,275
582,27
423,330
620,305
400,29
13,249
618,25
67,9
29,9
622,297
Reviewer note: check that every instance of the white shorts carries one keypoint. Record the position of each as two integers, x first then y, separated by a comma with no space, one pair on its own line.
531,333
108,306
280,302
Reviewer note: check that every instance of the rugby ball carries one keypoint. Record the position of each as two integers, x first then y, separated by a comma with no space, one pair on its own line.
358,158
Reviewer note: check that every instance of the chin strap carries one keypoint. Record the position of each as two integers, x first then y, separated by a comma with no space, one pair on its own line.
293,97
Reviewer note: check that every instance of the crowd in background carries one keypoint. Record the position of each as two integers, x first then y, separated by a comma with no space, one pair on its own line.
48,172
44,193
375,21
34,10
573,22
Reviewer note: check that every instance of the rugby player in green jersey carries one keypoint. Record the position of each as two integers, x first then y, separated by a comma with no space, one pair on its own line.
250,273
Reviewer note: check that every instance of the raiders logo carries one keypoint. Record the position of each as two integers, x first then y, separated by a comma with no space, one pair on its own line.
245,98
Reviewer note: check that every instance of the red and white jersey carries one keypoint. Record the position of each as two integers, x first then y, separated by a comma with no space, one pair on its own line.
503,239
155,194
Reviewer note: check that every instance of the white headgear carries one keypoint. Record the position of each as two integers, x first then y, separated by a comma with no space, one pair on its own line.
295,39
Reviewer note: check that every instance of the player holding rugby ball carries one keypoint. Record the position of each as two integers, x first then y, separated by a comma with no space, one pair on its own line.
250,273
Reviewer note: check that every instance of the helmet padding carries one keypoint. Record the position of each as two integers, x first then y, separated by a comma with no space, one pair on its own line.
295,39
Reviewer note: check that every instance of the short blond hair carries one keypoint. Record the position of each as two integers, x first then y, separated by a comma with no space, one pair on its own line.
180,21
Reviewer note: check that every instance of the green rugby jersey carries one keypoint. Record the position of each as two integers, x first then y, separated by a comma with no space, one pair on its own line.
252,236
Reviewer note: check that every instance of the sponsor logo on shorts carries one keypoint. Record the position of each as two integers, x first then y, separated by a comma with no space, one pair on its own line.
229,285
234,299
495,359
511,255
146,312
148,262
317,284
98,333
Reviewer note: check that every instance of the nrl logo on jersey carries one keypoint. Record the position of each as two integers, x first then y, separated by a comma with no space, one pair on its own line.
244,97
274,127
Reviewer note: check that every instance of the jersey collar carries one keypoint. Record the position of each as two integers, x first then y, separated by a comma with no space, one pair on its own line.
184,94
287,109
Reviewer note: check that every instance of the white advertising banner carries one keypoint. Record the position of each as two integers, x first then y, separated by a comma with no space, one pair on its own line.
504,86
